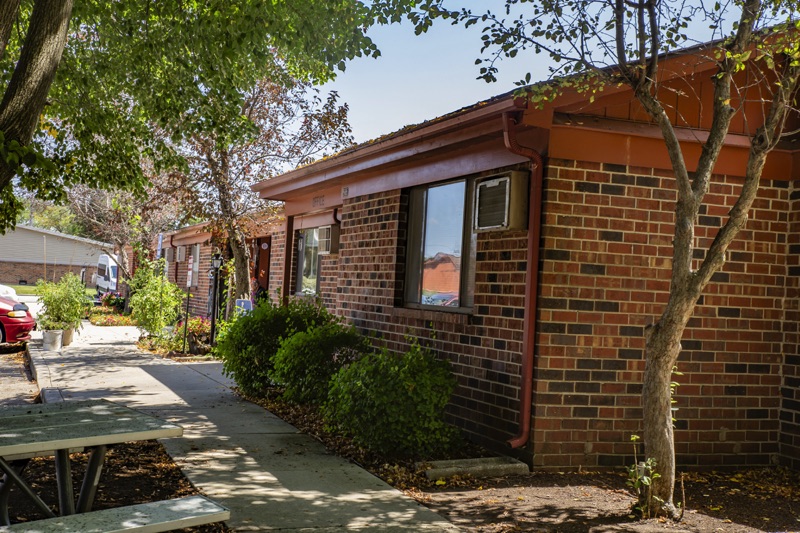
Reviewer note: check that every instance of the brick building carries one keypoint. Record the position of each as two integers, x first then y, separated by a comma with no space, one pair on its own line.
557,281
28,254
189,249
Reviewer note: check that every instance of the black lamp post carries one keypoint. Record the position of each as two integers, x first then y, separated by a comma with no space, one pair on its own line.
216,262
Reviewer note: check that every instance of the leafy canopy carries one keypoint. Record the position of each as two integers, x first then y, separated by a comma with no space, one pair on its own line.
182,66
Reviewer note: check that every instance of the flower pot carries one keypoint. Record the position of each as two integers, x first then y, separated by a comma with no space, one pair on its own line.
51,340
66,337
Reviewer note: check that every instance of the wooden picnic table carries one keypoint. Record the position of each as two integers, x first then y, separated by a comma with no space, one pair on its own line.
58,428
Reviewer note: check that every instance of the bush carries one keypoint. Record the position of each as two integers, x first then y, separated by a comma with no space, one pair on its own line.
64,304
197,331
306,361
252,340
111,319
113,299
155,304
394,404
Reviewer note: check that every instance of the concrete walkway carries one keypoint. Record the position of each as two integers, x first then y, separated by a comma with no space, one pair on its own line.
271,476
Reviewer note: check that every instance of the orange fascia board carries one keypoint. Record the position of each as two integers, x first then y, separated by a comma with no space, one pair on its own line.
649,151
475,122
318,200
193,238
316,220
480,157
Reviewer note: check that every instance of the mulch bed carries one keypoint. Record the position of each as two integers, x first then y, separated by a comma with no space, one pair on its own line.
733,502
138,472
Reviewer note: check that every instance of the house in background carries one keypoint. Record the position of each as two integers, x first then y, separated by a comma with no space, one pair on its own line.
187,252
551,229
28,254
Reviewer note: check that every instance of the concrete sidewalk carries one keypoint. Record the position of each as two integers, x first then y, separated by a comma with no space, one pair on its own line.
271,476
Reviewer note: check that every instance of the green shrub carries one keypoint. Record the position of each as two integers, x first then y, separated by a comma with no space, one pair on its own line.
306,361
394,404
249,344
64,303
156,302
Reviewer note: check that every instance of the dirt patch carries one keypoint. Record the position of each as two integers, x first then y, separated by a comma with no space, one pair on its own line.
751,501
737,502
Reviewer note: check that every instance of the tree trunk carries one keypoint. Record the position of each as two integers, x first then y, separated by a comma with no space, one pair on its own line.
25,97
241,262
661,354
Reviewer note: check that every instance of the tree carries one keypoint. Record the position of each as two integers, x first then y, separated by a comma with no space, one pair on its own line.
47,215
84,82
125,219
599,43
293,126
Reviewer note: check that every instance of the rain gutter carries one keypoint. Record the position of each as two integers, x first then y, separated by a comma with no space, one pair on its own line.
510,121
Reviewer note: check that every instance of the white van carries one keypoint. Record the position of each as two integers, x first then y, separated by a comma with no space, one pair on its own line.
106,277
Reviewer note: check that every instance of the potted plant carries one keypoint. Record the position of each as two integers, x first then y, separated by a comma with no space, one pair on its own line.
63,305
52,332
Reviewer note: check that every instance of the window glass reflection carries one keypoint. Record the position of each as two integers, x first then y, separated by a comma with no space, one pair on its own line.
310,261
444,223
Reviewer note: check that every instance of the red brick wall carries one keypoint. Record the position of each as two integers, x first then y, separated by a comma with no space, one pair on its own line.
604,276
178,272
483,347
277,257
11,273
790,389
606,251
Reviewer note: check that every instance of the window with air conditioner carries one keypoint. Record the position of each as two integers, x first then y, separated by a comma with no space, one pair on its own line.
195,265
501,202
329,240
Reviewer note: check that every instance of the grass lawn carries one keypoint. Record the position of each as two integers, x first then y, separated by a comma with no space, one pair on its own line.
30,290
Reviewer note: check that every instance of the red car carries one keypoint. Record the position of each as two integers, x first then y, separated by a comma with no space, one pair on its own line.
16,321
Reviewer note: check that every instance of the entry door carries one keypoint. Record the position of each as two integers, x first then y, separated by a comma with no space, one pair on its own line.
262,261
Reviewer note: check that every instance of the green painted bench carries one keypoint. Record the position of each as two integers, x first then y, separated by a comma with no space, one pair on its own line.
163,515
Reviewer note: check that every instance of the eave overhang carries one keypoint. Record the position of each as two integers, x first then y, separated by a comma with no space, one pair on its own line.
456,129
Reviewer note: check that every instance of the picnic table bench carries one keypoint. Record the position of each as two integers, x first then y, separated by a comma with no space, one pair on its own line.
164,515
59,428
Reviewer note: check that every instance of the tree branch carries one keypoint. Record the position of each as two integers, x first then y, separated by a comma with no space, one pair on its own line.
765,139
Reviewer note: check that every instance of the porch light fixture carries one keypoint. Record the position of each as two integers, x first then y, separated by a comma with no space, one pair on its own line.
216,263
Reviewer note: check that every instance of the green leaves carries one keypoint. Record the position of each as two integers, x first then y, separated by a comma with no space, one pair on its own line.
394,403
135,73
155,302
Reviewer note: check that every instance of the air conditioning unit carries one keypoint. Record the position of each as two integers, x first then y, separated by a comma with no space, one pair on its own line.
169,254
181,255
501,202
329,240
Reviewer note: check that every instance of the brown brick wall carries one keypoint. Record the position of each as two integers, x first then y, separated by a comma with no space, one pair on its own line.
198,303
790,388
604,276
329,281
606,249
12,273
483,347
277,256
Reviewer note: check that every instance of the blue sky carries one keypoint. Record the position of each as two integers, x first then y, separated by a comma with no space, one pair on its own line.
420,77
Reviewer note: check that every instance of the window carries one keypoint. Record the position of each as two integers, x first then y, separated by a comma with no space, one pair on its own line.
308,261
195,265
328,240
441,246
